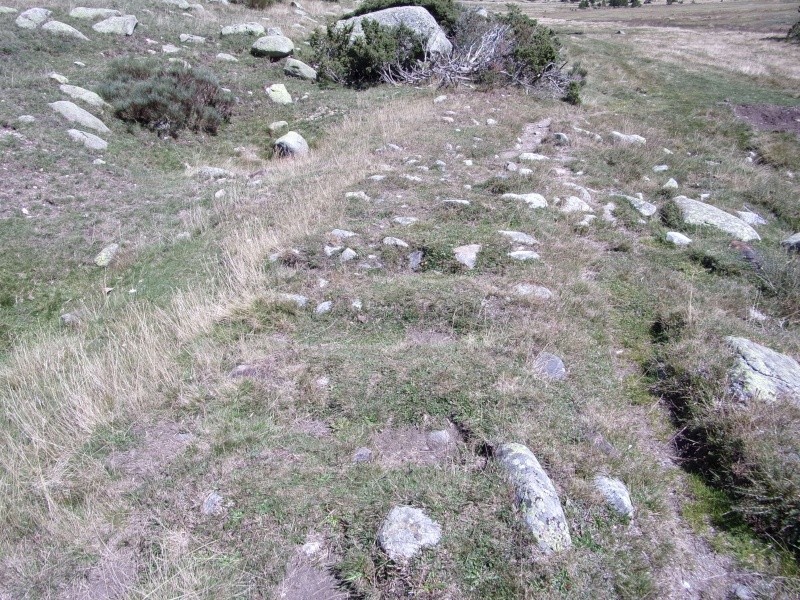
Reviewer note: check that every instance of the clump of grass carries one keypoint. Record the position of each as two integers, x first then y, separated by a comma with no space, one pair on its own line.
779,278
166,99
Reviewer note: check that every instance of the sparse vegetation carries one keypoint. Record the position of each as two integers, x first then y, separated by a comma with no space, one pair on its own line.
166,99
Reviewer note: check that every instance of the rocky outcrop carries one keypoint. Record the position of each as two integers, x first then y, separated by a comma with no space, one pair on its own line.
762,373
416,18
694,212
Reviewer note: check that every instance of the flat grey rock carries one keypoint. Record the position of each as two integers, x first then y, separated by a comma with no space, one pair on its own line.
73,112
532,157
297,299
751,218
792,242
406,531
573,204
117,25
242,29
626,140
212,173
32,18
405,221
90,14
643,207
695,212
88,140
531,289
519,237
278,126
524,255
291,144
762,373
532,200
59,28
272,46
84,95
324,307
467,255
550,366
393,241
27,119
212,505
107,255
536,496
7,10
297,68
415,18
415,260
678,239
224,56
362,455
616,494
187,38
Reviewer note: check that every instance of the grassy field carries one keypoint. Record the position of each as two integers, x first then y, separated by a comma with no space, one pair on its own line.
192,436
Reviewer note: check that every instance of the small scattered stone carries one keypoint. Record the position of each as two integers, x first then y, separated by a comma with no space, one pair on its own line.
645,208
456,201
362,196
224,56
71,319
219,194
751,218
467,255
671,184
73,112
439,99
362,455
27,119
6,10
212,505
405,220
212,173
415,260
342,234
58,78
187,38
323,307
438,440
292,144
393,241
169,49
407,530
297,68
348,254
616,494
660,168
297,299
574,204
532,157
561,139
551,366
332,250
530,289
519,237
756,315
106,255
277,126
678,239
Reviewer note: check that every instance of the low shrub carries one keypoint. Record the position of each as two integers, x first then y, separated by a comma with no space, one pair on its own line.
794,33
365,60
257,4
746,448
446,12
166,99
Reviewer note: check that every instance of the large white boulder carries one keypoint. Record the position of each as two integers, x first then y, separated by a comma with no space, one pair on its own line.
415,18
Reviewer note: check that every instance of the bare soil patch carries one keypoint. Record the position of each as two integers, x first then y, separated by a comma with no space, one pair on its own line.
769,117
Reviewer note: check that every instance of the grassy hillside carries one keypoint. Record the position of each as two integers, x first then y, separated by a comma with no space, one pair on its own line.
191,430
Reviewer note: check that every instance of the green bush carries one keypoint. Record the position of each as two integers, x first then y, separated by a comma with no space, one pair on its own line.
363,61
445,12
257,4
794,33
166,99
534,49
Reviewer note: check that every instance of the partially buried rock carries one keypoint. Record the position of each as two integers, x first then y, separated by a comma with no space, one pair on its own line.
297,68
73,112
678,239
106,255
89,140
532,200
32,18
531,289
187,38
212,505
406,531
362,455
243,29
117,25
272,46
90,14
524,255
792,243
415,260
224,56
616,494
762,373
695,212
278,126
291,145
393,241
278,93
84,95
550,366
623,139
519,237
467,255
537,498
59,28
211,173
645,208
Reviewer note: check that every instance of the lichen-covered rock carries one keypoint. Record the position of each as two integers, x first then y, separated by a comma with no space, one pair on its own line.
695,212
645,208
550,366
106,255
32,18
536,496
117,25
84,95
626,140
272,46
616,494
762,373
278,93
467,255
416,18
242,29
407,530
73,112
532,200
